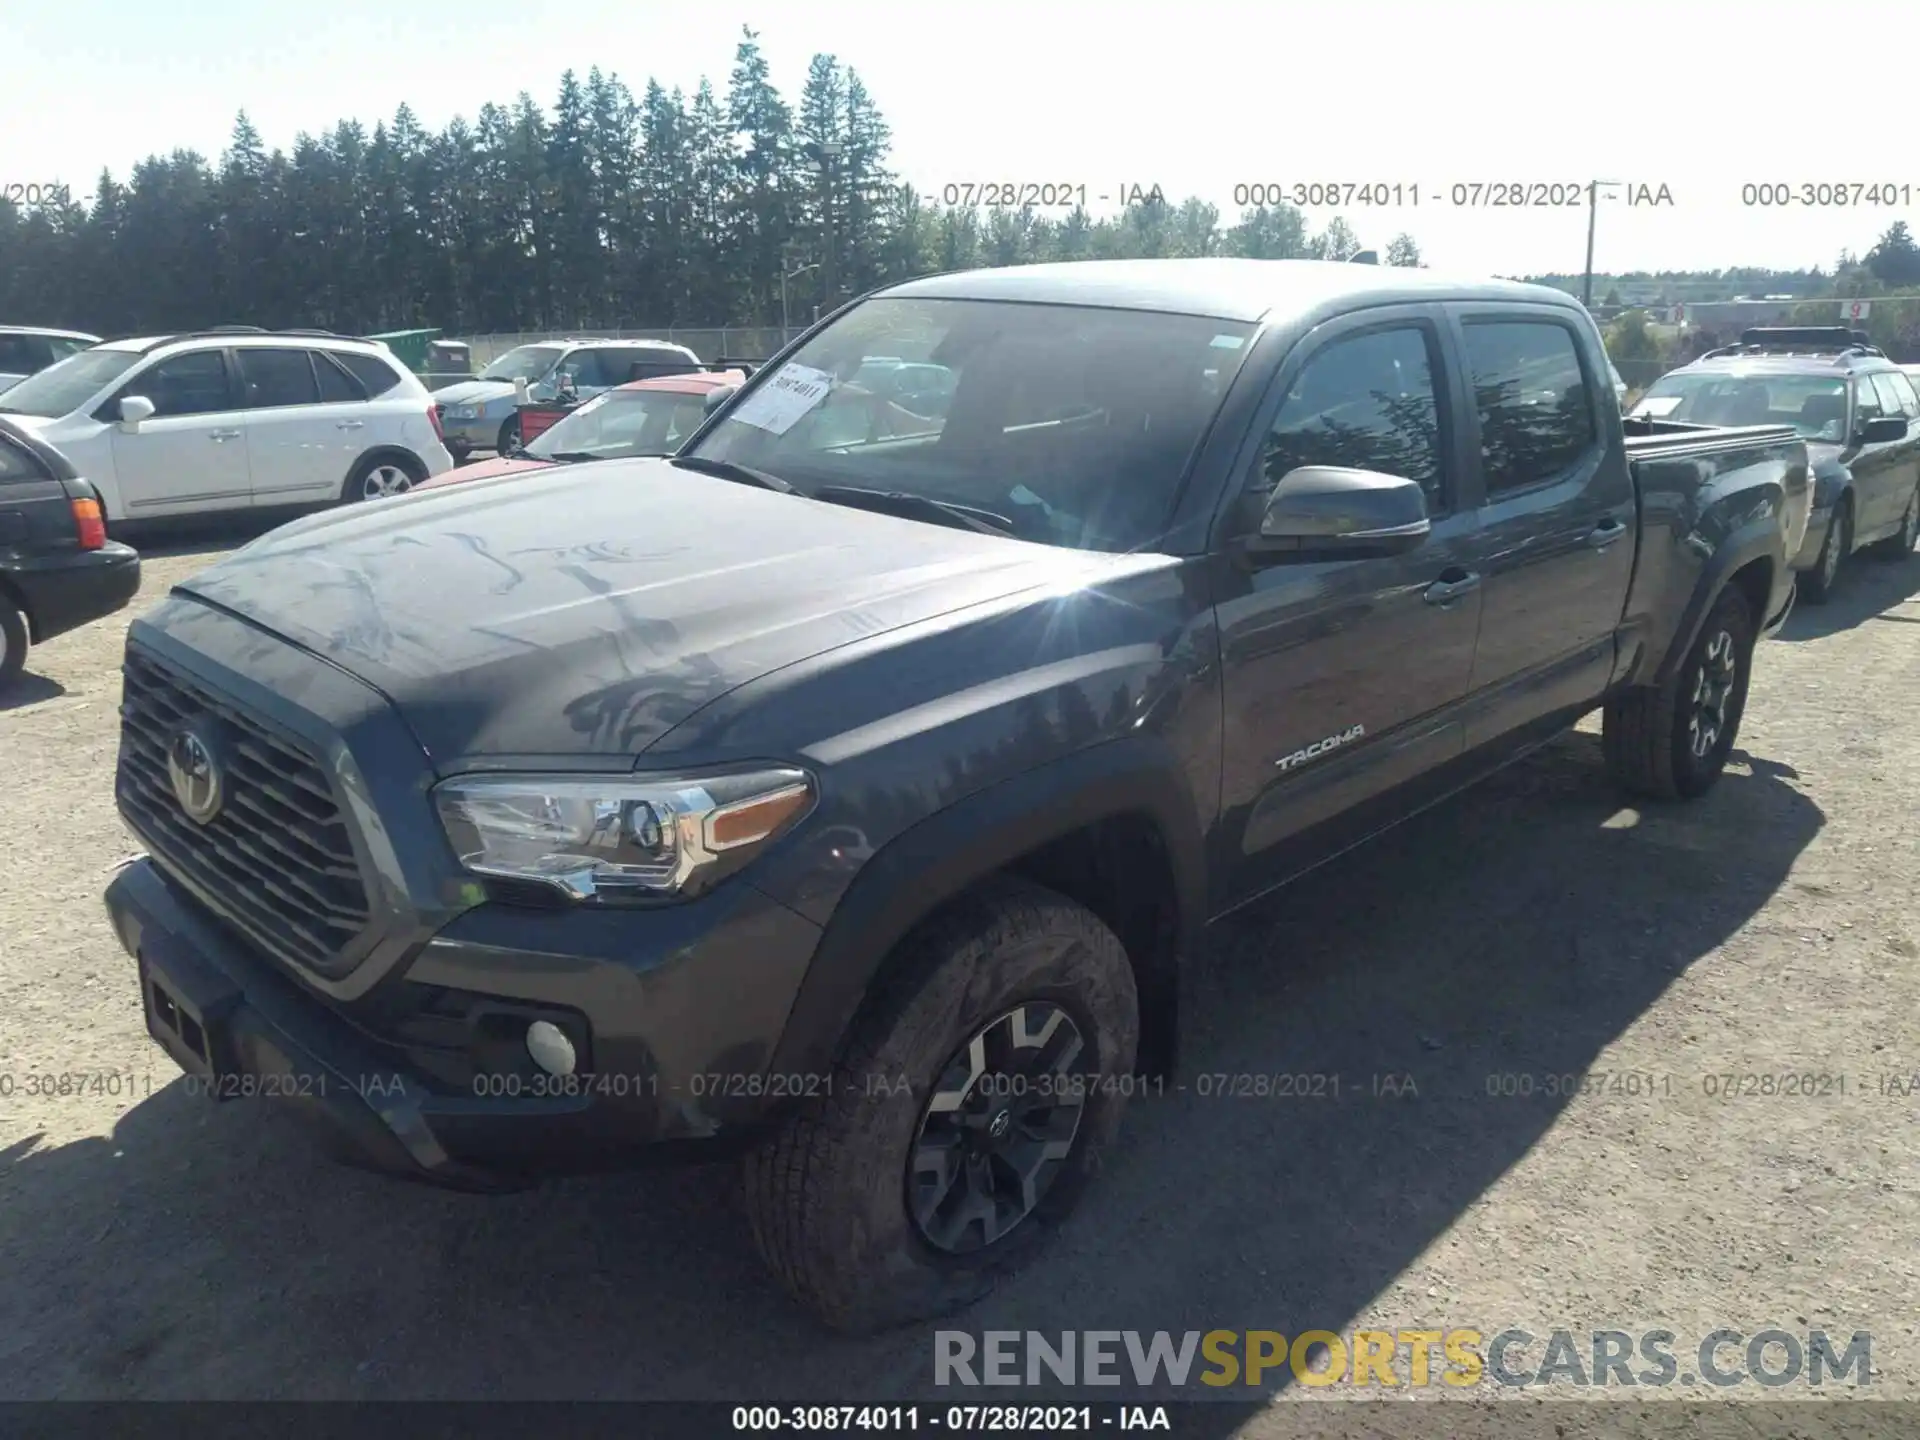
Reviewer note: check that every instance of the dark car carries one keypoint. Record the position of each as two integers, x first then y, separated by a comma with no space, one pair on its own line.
1855,408
58,569
854,794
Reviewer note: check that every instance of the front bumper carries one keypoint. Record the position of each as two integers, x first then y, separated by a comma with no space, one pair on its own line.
66,591
676,1034
1818,524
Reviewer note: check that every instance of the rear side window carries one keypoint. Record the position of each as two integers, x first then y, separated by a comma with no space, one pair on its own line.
195,383
377,376
1366,402
336,385
16,464
22,354
1536,412
277,377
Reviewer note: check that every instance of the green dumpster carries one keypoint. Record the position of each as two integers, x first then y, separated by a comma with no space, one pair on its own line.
409,347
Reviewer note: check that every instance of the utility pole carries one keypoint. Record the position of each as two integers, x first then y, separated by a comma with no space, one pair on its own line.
825,153
1593,213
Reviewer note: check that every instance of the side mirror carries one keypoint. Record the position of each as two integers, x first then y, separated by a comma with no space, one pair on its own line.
716,398
1320,511
134,409
1886,430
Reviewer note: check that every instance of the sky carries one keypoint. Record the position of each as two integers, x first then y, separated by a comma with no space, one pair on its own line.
1199,98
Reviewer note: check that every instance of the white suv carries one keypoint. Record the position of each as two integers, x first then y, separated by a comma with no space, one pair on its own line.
232,419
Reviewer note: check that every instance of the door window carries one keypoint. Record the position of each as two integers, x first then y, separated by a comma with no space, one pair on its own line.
1366,402
275,378
1866,403
17,464
21,355
1892,402
191,384
337,386
590,369
1909,402
375,374
1535,405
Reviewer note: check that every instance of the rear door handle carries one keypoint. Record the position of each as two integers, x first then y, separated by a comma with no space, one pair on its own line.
223,434
351,424
1606,532
1451,585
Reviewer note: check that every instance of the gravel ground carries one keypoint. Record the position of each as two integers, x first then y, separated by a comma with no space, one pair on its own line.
156,1246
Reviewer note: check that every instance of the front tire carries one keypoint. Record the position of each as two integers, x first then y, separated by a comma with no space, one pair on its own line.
508,438
1671,741
973,1101
1818,583
13,642
1899,545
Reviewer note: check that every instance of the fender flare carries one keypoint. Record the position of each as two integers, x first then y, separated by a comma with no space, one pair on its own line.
1757,540
943,855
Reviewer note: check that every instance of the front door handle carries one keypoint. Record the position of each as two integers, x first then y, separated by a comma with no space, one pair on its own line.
1451,585
351,424
1606,532
223,435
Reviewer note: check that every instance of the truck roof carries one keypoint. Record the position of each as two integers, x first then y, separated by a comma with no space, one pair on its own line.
1224,289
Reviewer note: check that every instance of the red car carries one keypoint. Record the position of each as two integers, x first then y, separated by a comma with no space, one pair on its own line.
646,417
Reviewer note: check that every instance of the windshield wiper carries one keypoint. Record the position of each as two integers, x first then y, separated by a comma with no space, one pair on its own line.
924,507
727,470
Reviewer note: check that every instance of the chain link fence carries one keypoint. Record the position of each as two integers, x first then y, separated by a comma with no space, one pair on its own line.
709,342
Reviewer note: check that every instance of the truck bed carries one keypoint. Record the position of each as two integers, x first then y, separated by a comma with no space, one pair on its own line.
1649,438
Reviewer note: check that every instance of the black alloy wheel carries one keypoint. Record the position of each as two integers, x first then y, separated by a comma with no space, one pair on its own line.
1713,688
1001,1120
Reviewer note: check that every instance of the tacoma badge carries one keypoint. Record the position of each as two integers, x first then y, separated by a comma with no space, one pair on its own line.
1321,747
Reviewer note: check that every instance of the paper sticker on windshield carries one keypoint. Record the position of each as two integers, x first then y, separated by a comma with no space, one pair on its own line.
1658,405
779,405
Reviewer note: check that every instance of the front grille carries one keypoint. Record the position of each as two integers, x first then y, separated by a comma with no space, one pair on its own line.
276,861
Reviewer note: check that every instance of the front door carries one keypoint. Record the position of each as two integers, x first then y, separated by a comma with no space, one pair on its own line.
1340,676
191,454
1558,511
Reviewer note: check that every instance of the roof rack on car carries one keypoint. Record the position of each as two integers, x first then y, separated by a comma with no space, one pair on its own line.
1835,341
215,331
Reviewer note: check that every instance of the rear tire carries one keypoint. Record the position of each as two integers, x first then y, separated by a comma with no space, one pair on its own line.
1817,584
1899,545
13,642
380,477
1671,741
859,1204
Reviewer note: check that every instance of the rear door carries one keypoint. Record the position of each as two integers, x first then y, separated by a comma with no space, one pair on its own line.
1875,468
295,444
1558,516
1373,653
192,454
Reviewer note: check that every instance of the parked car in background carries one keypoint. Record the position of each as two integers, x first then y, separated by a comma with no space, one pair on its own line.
26,351
648,417
483,413
1858,412
58,569
234,418
859,802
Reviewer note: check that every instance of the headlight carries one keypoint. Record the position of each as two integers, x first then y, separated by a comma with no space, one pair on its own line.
463,412
619,837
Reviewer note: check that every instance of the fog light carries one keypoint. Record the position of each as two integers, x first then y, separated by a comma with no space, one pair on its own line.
550,1048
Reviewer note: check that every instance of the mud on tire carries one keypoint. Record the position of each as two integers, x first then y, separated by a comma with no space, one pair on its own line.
828,1196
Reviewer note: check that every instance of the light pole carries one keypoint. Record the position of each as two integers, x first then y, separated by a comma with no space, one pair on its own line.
824,154
786,325
1593,211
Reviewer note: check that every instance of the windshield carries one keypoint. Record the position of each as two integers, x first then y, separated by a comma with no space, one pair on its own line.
64,386
1076,424
623,422
529,362
1815,405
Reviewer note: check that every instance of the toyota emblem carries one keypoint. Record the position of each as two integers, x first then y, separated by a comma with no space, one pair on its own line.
195,772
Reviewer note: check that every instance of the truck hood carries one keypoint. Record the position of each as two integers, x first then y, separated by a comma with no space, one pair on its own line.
473,392
484,470
590,614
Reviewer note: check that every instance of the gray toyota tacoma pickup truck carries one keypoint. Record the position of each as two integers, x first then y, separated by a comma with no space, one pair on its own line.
851,787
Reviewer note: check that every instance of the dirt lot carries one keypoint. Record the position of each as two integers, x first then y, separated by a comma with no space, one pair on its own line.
156,1246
